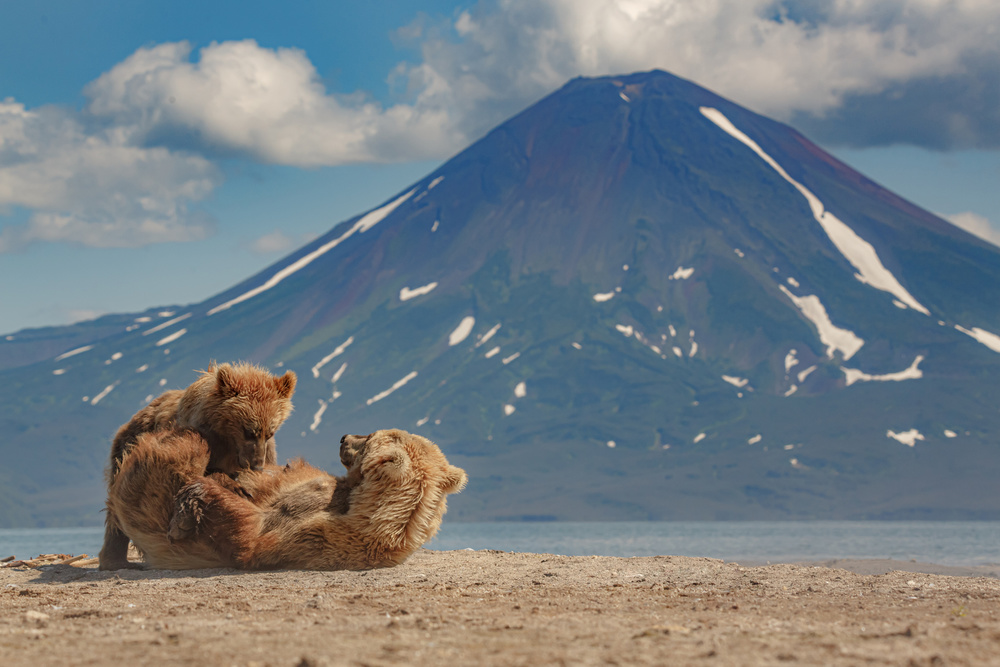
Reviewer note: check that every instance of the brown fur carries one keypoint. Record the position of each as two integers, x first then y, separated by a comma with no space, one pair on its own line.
235,408
390,502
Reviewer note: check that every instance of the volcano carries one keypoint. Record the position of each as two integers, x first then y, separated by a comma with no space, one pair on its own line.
634,300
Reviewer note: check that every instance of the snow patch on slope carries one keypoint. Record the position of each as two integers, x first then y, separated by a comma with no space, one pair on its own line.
164,325
462,331
908,438
104,392
911,373
71,353
406,293
363,224
339,373
990,340
737,382
832,336
318,417
489,334
855,249
681,273
606,296
790,360
396,385
325,360
171,338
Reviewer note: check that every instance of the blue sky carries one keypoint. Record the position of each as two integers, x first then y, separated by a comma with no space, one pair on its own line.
156,153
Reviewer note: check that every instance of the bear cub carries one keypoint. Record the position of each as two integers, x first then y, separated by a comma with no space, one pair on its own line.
235,408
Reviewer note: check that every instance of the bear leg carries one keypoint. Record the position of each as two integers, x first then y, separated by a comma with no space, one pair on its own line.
114,552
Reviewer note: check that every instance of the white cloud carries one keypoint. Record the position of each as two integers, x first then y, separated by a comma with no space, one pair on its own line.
276,241
130,168
75,315
775,57
779,58
977,225
267,104
93,187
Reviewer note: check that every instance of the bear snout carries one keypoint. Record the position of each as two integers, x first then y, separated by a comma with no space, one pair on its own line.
349,446
253,455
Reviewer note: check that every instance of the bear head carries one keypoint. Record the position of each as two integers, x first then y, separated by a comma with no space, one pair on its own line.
399,482
246,406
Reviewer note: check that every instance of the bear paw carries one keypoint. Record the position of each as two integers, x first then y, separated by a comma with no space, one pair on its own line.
188,511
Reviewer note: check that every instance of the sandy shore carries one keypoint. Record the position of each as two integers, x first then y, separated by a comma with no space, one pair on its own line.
494,608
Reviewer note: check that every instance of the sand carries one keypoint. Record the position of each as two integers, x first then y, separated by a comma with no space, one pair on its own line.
494,608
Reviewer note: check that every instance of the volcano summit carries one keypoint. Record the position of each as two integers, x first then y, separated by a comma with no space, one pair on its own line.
634,300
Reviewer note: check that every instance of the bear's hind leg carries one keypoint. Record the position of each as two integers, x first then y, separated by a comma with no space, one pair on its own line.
114,552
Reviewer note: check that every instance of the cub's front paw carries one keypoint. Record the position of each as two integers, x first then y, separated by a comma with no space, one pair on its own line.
189,506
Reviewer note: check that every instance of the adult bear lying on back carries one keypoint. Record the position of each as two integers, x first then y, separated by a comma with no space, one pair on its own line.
235,408
389,503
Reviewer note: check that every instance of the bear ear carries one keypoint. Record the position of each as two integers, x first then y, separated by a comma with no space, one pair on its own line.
225,381
454,479
390,462
285,385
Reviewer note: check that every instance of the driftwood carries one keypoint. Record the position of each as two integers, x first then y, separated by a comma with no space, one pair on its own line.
49,559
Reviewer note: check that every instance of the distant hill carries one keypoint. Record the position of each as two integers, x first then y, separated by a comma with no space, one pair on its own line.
634,300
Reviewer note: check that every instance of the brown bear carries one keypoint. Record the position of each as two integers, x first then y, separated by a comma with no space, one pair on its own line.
235,408
390,502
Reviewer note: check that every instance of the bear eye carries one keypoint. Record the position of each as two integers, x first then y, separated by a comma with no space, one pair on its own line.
249,434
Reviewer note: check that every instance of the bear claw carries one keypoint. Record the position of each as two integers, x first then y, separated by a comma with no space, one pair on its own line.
188,512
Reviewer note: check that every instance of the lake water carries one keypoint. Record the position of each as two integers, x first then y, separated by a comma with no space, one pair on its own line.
942,542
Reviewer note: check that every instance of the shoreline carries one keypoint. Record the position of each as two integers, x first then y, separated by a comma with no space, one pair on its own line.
501,608
863,566
945,544
872,566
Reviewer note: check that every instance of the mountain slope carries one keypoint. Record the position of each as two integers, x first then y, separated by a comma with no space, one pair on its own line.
635,299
